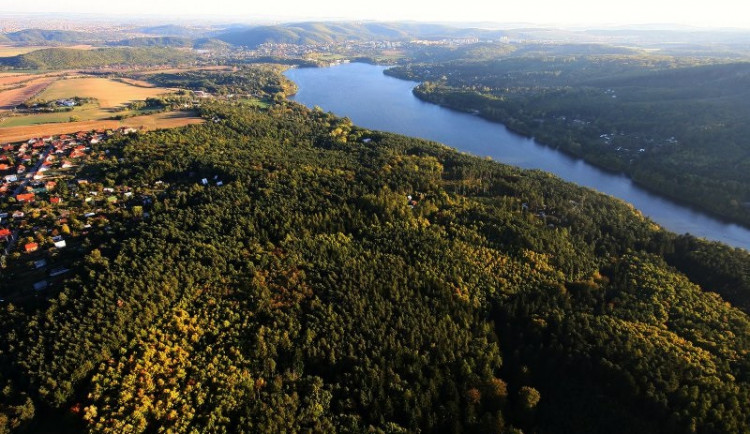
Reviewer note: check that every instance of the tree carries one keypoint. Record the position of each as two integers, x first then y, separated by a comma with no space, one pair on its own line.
528,397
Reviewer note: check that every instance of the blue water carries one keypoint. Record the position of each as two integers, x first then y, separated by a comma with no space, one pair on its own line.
376,101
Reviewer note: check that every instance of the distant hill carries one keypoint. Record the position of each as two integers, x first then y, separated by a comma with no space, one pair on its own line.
156,41
326,32
573,49
209,44
659,37
173,30
63,58
38,36
173,42
320,32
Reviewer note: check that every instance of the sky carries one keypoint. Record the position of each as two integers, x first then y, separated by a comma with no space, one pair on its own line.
717,13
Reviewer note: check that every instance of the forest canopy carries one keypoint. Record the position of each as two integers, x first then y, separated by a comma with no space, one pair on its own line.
286,270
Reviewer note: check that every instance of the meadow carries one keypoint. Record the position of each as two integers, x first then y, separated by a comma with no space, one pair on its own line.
109,93
110,96
147,123
83,113
16,95
10,51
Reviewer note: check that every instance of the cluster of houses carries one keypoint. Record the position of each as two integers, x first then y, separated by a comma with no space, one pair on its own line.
288,50
30,168
46,205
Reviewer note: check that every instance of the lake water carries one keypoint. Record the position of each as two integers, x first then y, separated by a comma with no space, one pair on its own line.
374,100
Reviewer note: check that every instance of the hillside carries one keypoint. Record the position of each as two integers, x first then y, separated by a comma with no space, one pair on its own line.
65,58
51,37
328,32
173,30
156,41
210,44
674,124
173,42
281,269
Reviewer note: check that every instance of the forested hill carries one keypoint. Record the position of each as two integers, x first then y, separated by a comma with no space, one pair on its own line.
51,37
676,125
329,278
171,41
156,41
329,32
64,58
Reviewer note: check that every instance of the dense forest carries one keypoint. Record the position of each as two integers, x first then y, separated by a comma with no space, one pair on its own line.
674,124
257,80
325,277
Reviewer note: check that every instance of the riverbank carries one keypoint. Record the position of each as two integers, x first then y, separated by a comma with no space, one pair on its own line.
663,175
654,188
380,102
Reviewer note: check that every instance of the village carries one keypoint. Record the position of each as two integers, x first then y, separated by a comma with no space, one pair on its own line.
48,205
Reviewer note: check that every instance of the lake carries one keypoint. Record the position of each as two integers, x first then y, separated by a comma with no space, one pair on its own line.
374,100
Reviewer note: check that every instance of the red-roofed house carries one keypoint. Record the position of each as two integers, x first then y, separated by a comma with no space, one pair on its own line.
25,197
4,234
31,247
78,152
55,200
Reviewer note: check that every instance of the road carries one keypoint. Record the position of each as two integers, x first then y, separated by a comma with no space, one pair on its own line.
28,176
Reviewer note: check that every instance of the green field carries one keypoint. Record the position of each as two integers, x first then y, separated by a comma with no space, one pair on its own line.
110,95
254,102
87,112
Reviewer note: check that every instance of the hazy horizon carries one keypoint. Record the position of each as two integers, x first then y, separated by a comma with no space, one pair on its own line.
580,14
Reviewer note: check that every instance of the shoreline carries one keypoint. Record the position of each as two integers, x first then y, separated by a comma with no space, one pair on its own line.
677,200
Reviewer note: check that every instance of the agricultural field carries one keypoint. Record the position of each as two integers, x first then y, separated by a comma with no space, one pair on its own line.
110,93
10,51
133,82
110,96
15,79
84,113
12,97
147,122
